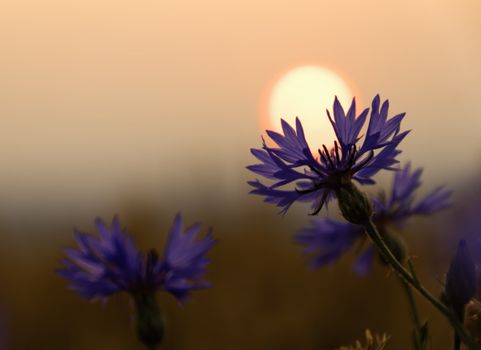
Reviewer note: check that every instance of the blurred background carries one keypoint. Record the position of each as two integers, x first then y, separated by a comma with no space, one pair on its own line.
146,108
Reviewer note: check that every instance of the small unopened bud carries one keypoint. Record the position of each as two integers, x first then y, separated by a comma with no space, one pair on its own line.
148,319
460,280
354,205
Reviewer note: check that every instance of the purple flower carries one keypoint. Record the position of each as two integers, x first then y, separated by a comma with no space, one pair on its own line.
400,204
185,261
110,263
327,240
299,176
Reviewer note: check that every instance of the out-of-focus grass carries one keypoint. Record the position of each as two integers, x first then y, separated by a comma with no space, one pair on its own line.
263,295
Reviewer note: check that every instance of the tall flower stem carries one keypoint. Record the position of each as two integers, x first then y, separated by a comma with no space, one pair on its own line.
419,337
412,280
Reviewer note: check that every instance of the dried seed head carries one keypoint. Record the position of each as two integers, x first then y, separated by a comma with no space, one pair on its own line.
376,342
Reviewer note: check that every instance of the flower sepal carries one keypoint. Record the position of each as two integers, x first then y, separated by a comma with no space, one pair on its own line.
354,205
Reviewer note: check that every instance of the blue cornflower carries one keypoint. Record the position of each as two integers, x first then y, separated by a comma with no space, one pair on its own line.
111,263
400,204
299,176
326,240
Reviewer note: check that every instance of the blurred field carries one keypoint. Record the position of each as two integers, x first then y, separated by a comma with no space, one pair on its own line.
264,296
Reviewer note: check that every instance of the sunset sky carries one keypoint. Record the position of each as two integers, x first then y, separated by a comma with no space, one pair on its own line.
101,99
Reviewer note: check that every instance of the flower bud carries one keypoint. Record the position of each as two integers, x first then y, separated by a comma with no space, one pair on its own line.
460,280
354,205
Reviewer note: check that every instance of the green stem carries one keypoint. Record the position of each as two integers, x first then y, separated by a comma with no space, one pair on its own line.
418,338
373,233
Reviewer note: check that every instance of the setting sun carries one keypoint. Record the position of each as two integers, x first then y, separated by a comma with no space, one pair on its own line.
306,92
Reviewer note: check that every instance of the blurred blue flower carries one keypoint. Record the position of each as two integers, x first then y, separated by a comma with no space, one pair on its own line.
326,240
400,204
110,262
316,179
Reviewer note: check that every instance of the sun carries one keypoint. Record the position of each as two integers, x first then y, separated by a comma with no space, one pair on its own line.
306,92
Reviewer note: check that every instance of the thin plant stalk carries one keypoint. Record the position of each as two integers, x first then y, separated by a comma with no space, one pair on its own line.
419,343
412,280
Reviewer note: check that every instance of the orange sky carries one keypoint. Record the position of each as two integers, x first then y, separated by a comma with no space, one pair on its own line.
100,96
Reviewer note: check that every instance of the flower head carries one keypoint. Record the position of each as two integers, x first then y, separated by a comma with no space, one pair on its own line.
326,240
298,175
400,204
110,263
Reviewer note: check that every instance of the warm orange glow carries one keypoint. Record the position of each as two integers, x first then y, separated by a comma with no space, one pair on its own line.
306,92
